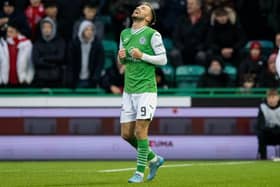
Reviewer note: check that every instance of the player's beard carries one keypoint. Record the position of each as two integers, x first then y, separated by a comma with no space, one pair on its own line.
137,18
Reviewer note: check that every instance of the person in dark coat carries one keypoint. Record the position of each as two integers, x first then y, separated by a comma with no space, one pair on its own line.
254,63
268,122
48,56
225,38
113,79
269,77
190,34
90,10
160,79
70,12
10,13
214,77
86,56
52,11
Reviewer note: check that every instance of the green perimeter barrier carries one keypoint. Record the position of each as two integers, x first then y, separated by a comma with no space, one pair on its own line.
193,92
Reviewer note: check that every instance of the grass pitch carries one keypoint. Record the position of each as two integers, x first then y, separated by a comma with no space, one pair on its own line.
115,174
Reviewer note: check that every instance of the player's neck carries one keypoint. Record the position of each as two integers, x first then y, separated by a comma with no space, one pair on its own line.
138,24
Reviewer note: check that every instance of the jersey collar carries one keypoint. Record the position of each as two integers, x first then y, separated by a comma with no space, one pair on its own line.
137,31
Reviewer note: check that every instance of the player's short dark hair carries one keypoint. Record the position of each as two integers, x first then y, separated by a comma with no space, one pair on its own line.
154,17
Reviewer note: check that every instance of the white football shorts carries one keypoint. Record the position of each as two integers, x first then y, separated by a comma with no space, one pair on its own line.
138,106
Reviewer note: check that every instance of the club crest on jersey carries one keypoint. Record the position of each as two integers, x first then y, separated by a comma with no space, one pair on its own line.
142,40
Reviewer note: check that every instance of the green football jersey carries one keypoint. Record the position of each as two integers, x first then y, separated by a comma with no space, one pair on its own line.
139,75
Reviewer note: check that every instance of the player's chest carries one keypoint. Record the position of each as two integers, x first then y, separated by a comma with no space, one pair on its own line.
136,41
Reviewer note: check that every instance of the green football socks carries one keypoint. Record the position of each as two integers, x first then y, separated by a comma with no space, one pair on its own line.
151,154
142,155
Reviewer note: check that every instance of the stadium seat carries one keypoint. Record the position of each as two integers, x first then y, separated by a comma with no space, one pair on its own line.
231,71
168,71
106,20
111,50
108,62
110,47
188,75
168,44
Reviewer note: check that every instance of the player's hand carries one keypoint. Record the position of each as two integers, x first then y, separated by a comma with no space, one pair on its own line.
122,53
136,53
115,90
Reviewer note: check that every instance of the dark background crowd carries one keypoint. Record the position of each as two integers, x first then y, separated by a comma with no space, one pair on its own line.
60,43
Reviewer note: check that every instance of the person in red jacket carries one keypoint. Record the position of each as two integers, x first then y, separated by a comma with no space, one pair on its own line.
34,13
15,58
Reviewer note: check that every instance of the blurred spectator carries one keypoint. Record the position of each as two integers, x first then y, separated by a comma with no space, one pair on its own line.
102,6
113,79
3,47
51,11
190,34
210,5
15,56
247,83
215,76
226,37
34,13
255,23
20,5
69,13
277,42
160,78
270,9
223,3
121,11
254,63
48,56
10,13
86,57
167,13
89,13
269,77
268,126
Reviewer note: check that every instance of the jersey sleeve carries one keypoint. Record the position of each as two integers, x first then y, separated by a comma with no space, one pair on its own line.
160,57
278,63
121,44
157,44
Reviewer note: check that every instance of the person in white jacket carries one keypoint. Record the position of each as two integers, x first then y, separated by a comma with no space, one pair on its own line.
16,66
278,62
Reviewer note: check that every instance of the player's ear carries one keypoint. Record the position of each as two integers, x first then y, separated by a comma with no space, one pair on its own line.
148,19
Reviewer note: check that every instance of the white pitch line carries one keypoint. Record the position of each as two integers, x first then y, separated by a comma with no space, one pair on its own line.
180,165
